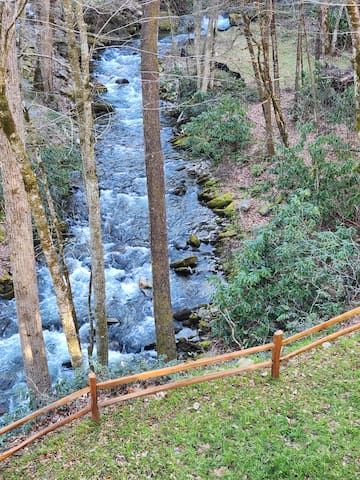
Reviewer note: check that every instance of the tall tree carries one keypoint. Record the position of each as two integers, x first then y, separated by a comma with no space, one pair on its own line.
209,45
45,44
79,54
34,198
17,211
354,18
165,338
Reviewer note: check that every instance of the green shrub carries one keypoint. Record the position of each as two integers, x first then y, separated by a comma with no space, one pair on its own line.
289,276
332,106
59,162
332,177
218,131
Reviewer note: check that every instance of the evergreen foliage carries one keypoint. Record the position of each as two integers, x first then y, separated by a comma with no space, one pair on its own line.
218,131
332,177
289,276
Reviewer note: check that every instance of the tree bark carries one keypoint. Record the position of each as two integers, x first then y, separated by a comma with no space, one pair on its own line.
209,47
265,101
197,4
18,217
165,338
80,63
37,209
354,18
45,44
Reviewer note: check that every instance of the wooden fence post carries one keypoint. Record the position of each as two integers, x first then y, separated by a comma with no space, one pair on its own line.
95,413
276,351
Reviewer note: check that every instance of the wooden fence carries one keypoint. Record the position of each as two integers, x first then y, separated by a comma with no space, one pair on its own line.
94,405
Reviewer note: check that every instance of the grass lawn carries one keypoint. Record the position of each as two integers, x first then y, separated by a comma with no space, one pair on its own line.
306,425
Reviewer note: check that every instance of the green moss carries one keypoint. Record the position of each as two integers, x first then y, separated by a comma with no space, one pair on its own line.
221,201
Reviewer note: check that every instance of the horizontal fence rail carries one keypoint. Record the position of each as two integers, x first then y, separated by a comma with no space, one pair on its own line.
92,390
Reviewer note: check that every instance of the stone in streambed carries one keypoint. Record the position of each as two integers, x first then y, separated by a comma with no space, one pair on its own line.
220,202
185,262
194,241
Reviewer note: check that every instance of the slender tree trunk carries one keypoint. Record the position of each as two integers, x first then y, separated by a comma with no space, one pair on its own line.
197,40
18,216
165,338
335,33
45,44
274,46
81,77
265,101
311,71
209,46
39,216
354,18
299,71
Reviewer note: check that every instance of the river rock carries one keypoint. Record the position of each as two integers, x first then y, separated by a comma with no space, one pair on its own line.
264,209
101,108
7,327
180,190
206,195
187,334
182,315
185,262
122,81
7,380
194,241
221,202
245,205
6,286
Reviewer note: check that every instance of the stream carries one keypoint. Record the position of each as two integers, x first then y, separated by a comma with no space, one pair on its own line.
121,173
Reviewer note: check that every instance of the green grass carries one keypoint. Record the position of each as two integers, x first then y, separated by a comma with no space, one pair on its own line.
303,426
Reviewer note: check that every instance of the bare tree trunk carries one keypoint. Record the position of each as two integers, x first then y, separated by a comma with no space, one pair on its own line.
275,55
45,44
322,44
310,67
335,33
325,27
39,215
299,71
165,338
265,70
209,46
18,216
197,5
81,77
354,18
265,102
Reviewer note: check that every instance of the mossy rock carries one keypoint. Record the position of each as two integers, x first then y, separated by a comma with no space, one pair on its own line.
206,195
6,287
227,234
264,209
205,344
194,241
220,202
179,141
228,211
185,262
183,271
211,183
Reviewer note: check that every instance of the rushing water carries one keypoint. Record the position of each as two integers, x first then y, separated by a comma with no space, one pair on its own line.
121,172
